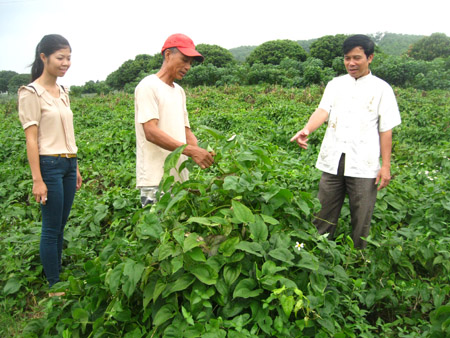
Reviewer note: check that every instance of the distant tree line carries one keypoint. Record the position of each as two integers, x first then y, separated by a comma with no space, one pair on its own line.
11,81
424,64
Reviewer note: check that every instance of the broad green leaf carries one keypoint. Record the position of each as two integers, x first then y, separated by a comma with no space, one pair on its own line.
164,314
251,248
231,183
172,159
106,253
12,286
246,289
258,230
179,235
197,255
395,202
187,316
270,268
287,303
113,278
120,203
165,250
269,219
136,333
204,273
178,197
308,261
282,254
304,207
101,213
231,273
80,315
213,132
150,226
273,190
318,282
242,213
191,241
228,247
177,263
179,284
327,323
200,220
159,288
247,156
133,271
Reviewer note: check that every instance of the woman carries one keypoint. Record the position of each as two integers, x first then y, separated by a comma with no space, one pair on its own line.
44,111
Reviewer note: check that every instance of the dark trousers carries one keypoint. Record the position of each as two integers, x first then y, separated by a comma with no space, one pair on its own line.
60,176
362,194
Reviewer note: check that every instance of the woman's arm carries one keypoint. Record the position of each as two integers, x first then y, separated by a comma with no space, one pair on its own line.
39,187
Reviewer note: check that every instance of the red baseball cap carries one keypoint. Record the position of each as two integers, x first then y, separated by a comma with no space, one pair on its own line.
184,44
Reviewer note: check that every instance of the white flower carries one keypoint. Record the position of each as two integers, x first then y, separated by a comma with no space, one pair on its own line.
232,138
299,246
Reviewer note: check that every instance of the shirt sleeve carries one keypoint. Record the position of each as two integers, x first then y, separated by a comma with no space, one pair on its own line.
389,115
186,115
29,107
146,104
326,103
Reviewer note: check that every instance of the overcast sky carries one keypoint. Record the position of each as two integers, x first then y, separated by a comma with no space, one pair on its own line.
105,33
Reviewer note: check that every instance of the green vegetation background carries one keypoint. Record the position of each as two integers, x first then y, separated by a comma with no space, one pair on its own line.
219,258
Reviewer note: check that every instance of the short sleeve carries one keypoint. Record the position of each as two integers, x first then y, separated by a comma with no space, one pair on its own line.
326,102
146,103
186,116
29,107
389,115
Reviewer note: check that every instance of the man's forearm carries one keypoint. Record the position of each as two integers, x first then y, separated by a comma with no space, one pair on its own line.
316,120
386,148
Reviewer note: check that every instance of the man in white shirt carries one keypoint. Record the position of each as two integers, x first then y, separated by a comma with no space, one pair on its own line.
361,111
161,118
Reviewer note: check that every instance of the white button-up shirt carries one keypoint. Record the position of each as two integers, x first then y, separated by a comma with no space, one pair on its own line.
358,110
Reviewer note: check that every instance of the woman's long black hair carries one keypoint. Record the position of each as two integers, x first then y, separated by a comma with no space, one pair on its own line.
48,45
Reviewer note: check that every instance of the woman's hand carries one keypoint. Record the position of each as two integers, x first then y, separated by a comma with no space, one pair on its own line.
79,179
40,191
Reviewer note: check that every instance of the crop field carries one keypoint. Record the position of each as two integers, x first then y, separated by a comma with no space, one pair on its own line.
232,252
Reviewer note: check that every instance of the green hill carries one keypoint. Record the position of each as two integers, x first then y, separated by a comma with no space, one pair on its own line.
390,43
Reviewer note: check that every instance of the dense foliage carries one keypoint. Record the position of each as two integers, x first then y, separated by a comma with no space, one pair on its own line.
436,45
215,55
327,48
11,81
394,43
231,252
5,77
273,52
321,56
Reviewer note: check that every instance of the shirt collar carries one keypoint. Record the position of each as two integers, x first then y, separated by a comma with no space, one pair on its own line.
362,78
39,89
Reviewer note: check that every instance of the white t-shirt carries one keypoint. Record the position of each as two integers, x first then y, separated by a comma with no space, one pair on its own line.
154,99
358,110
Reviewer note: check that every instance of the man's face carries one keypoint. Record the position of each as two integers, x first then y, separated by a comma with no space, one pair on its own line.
357,63
179,64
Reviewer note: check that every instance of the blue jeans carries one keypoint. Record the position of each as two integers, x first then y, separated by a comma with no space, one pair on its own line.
60,176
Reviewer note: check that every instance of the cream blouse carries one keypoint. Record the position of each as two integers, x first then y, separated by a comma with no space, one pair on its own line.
52,116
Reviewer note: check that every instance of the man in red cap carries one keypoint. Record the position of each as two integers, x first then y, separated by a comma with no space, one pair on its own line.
161,118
